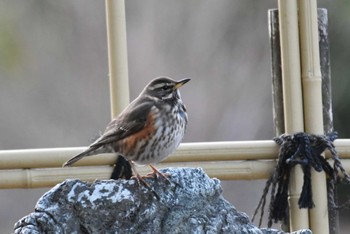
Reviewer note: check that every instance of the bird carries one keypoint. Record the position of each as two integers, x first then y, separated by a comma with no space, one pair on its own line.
148,130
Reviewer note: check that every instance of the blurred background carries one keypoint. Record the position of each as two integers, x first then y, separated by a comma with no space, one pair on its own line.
54,84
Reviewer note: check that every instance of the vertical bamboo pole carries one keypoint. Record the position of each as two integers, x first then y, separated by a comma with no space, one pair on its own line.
292,95
117,55
312,86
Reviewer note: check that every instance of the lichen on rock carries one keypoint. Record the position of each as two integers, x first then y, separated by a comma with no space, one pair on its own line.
191,203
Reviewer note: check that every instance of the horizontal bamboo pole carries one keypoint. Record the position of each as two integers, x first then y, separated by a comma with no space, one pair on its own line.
224,170
187,152
47,177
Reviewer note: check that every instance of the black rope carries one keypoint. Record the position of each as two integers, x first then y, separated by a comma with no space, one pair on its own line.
303,149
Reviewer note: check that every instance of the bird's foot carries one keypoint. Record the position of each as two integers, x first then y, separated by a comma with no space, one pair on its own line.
158,174
141,182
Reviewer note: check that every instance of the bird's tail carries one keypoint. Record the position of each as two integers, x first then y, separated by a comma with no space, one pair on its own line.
88,152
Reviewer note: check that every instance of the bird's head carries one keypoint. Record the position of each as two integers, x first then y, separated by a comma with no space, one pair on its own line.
165,88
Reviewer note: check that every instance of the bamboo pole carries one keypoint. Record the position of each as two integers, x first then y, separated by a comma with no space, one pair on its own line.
292,96
46,177
187,152
224,170
117,55
277,94
313,115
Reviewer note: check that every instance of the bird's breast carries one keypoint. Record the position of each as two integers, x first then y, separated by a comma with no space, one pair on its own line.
169,129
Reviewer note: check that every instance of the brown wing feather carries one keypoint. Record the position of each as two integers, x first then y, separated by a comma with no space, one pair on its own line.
126,124
129,122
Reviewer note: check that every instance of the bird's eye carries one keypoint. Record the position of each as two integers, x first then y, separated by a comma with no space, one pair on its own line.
165,87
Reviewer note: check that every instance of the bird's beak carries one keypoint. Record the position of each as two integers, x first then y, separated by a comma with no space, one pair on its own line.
181,83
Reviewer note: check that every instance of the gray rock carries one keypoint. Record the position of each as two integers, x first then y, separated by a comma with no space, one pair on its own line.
191,203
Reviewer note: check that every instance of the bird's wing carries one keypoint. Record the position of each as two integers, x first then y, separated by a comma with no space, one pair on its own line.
132,120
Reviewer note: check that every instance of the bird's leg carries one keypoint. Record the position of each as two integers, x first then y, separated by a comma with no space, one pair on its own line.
138,176
158,173
140,180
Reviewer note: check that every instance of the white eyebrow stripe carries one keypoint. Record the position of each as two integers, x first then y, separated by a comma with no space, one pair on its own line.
157,86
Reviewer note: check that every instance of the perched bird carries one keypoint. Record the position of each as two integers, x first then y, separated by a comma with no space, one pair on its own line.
149,129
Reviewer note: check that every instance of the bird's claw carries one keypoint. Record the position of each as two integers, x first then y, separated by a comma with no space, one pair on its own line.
158,174
141,181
